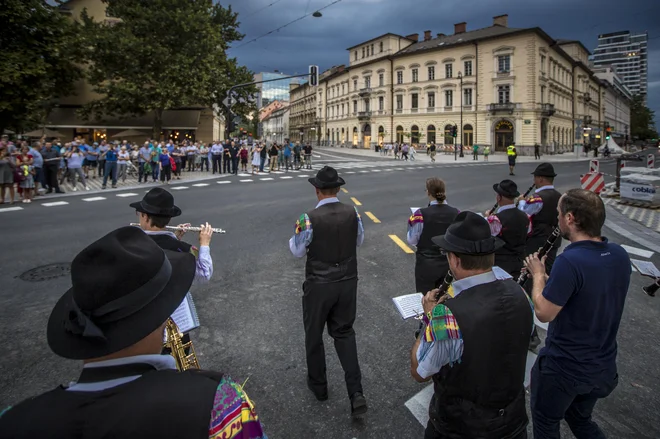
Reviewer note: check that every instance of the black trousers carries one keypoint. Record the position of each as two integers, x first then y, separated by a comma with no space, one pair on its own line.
537,154
184,160
429,272
226,165
432,433
234,165
217,164
335,304
51,177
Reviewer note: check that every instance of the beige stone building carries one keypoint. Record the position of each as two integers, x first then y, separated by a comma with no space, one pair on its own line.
497,85
199,123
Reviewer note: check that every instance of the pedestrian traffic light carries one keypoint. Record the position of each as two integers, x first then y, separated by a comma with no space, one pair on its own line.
313,76
454,131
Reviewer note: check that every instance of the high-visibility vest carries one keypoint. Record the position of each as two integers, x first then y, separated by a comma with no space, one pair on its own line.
510,150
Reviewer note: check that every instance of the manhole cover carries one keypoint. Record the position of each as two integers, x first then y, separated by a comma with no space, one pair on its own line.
46,272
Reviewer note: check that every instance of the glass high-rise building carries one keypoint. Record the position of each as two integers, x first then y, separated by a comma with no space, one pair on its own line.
272,91
628,53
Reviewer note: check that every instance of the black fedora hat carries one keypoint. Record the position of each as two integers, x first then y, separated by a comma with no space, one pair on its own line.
124,286
157,202
469,234
326,178
544,170
506,188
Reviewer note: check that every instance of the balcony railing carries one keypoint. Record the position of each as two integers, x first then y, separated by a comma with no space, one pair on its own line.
547,109
362,115
506,106
366,91
587,120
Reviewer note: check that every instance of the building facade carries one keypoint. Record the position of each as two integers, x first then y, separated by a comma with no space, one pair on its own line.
628,53
617,101
276,126
277,89
304,123
193,123
497,85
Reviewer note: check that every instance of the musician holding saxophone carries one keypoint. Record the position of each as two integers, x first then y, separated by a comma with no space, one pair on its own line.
124,289
583,299
474,344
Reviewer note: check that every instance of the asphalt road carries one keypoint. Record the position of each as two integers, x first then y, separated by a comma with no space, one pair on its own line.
251,310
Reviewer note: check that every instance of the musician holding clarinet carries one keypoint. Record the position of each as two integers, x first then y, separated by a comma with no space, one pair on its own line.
474,344
583,299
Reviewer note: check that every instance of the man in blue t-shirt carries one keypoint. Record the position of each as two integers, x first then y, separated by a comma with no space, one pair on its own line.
110,170
287,156
583,300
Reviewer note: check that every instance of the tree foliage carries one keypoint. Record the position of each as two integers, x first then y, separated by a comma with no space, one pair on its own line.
642,120
160,54
39,50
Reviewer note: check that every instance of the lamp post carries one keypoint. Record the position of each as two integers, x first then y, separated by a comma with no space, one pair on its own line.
460,91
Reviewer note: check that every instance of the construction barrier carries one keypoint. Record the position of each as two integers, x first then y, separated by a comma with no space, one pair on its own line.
650,161
593,166
593,181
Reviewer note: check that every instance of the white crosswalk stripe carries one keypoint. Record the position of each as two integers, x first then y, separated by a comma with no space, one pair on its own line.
127,194
179,188
637,251
55,203
285,178
266,179
246,181
94,199
10,209
201,184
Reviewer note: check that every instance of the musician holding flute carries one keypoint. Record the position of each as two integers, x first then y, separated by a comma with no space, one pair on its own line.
474,344
583,299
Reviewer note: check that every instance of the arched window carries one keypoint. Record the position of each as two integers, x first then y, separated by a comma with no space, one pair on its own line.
414,135
381,135
399,134
449,139
355,136
468,136
430,134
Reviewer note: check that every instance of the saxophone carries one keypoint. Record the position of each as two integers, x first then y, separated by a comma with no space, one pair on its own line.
178,349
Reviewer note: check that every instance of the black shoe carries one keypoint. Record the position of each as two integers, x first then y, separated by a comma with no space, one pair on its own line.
60,192
358,404
319,396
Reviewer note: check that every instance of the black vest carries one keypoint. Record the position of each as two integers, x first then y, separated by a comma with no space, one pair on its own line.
163,403
483,396
514,234
167,242
332,254
437,218
546,220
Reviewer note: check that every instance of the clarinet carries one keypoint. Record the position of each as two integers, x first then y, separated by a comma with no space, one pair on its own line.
446,283
556,233
651,289
492,211
526,193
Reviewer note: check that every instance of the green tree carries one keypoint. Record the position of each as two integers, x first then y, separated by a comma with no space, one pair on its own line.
642,120
39,51
159,55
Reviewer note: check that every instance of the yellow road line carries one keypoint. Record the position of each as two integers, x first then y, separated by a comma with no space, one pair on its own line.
344,190
401,244
372,217
357,203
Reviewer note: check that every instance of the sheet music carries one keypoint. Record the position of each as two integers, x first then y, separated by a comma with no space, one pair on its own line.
413,209
185,316
409,305
646,268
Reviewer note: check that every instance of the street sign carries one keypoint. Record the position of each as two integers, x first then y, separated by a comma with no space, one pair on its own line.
227,102
527,121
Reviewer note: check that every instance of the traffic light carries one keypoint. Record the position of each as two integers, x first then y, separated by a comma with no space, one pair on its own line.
313,76
454,131
608,131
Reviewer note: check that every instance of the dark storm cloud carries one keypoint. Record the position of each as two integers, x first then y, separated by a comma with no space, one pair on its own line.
324,40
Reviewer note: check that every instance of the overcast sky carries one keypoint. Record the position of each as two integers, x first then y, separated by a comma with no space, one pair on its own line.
323,41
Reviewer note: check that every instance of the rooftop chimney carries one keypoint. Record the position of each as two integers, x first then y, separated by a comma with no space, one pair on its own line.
413,37
459,28
501,20
427,35
440,35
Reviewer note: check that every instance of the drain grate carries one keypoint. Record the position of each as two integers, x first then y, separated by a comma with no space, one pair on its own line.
46,272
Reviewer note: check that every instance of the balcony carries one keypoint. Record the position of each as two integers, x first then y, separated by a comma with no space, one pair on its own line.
547,110
414,110
508,107
364,115
586,120
365,92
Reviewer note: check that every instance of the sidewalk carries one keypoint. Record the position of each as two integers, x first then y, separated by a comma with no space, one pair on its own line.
441,157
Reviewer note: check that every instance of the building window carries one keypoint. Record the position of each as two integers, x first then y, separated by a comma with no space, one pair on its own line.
467,96
431,100
542,94
355,85
367,105
431,73
449,98
342,89
355,56
363,52
399,102
381,80
381,103
414,101
399,77
372,50
342,109
504,63
381,47
354,106
449,71
467,66
367,82
503,94
543,63
415,75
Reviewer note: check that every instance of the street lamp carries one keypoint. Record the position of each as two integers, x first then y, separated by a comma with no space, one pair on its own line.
460,91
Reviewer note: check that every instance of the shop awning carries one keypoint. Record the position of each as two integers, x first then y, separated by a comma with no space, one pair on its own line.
172,120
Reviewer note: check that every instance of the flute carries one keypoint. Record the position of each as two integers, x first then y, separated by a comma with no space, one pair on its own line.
188,229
